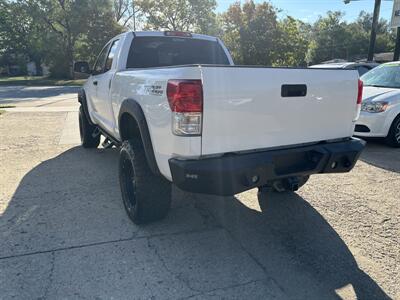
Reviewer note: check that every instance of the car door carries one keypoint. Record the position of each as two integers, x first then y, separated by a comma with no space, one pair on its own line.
104,81
93,82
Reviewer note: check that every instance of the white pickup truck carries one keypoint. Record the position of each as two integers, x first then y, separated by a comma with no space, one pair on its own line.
182,113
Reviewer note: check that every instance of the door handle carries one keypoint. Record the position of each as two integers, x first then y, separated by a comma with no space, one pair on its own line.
294,90
95,82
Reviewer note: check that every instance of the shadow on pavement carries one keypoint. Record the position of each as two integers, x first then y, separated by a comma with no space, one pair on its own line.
74,199
9,94
295,245
382,156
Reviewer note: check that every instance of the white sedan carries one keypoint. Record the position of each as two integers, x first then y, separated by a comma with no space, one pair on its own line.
380,110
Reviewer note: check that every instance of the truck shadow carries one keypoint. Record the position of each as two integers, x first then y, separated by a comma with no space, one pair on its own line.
74,198
382,156
295,245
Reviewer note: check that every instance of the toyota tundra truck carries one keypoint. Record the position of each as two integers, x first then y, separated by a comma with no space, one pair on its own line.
182,113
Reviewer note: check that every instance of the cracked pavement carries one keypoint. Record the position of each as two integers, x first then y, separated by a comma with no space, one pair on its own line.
64,232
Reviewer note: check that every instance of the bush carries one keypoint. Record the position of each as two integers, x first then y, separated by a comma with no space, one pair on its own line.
59,69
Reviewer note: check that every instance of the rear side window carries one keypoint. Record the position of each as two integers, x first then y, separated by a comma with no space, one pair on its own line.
111,55
148,52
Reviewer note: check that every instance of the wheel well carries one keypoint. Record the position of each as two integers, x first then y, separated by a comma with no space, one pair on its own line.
394,121
129,128
397,117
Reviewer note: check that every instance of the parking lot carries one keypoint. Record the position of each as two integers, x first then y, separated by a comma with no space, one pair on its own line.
64,232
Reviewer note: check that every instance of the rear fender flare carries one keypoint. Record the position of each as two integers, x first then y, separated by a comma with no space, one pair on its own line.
133,108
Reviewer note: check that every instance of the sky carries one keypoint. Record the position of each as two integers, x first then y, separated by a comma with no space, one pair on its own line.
309,10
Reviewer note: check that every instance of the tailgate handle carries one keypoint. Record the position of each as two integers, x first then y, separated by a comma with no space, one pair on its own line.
294,90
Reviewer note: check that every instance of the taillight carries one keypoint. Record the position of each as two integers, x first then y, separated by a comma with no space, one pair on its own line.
360,91
185,95
185,98
359,99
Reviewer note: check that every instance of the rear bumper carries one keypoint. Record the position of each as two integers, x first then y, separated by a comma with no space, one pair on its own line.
235,173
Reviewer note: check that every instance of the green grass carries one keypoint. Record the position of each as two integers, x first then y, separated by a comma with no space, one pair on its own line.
38,81
2,111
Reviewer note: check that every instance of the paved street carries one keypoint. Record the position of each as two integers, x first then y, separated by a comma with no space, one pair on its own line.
64,232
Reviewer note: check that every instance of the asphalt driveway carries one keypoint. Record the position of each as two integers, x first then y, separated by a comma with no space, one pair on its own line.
64,233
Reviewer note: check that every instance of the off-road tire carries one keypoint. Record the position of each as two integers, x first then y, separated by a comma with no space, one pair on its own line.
146,196
87,131
393,138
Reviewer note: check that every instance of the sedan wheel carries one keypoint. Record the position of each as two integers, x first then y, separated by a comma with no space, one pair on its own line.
393,138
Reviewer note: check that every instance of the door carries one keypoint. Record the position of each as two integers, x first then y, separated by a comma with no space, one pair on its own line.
97,72
104,82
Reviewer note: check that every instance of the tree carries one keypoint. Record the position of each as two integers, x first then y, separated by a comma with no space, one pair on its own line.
70,22
126,13
62,18
292,43
96,31
21,38
332,38
251,32
184,15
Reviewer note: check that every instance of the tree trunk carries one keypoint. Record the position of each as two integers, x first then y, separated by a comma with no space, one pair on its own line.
38,62
70,57
375,20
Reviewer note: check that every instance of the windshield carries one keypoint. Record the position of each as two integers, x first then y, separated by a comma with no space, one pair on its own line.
147,52
383,76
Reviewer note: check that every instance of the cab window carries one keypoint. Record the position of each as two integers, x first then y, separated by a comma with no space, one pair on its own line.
110,56
101,60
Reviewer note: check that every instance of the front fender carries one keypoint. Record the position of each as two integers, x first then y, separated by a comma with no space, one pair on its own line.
82,100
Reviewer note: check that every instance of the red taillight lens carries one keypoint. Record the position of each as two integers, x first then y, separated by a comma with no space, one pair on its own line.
185,95
360,91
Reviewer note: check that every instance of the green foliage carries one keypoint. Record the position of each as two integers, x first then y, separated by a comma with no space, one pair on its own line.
185,15
97,28
250,32
21,38
55,31
77,30
255,36
330,37
292,43
334,38
59,32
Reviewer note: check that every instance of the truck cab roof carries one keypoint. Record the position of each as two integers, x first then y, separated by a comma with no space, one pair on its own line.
175,33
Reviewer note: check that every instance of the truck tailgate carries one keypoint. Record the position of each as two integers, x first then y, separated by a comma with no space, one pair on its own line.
248,108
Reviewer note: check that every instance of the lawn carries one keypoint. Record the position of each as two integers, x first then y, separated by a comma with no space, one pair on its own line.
2,111
38,81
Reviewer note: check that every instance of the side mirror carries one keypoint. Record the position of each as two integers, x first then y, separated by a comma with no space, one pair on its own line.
82,67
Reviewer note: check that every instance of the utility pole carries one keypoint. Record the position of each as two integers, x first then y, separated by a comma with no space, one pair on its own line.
395,23
375,20
372,40
397,48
